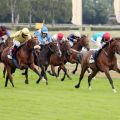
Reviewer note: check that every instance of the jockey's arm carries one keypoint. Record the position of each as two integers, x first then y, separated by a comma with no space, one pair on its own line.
70,38
98,42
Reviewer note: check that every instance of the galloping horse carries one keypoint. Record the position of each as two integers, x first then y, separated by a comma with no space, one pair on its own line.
44,55
60,61
105,62
75,56
81,42
24,58
8,43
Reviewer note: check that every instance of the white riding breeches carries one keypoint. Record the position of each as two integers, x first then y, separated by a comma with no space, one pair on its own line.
71,43
16,43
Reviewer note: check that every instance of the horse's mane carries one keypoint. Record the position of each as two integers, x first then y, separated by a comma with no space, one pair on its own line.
112,40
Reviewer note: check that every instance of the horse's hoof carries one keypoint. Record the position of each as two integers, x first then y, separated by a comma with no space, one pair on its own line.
23,73
26,82
62,79
49,71
76,86
46,83
37,82
73,72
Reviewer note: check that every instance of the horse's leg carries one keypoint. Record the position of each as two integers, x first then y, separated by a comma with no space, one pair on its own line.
110,80
4,71
43,74
59,68
83,70
53,70
93,74
65,72
26,76
75,68
9,76
32,66
118,70
6,82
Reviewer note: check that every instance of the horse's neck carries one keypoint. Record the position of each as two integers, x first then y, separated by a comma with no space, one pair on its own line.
77,47
109,51
46,52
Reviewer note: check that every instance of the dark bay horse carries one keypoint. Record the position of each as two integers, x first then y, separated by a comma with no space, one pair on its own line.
60,61
24,58
105,62
45,54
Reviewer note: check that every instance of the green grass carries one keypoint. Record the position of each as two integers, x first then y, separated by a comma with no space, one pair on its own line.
59,100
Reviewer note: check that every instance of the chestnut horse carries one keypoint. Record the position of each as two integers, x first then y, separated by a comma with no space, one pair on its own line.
3,45
81,42
105,62
24,58
75,56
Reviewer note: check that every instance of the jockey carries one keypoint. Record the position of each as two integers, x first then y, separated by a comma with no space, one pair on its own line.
99,39
4,34
18,38
59,37
43,36
73,37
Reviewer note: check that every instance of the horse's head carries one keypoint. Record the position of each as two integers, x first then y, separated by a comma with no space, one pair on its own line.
54,47
9,42
116,45
84,42
32,42
65,46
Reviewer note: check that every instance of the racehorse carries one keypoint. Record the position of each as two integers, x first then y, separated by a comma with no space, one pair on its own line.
60,61
76,56
105,62
81,42
3,45
24,58
43,56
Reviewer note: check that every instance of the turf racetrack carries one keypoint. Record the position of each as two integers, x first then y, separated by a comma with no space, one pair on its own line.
59,100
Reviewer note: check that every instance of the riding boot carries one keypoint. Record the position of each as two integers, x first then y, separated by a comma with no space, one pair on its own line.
14,52
95,55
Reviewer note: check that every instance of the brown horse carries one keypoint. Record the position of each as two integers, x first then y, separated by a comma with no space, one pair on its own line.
3,45
24,58
75,56
59,61
8,43
105,62
81,42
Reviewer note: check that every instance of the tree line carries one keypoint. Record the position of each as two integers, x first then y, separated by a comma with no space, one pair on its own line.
53,11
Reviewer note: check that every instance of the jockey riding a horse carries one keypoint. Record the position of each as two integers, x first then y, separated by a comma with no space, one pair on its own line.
73,37
4,34
19,38
59,37
43,36
99,39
